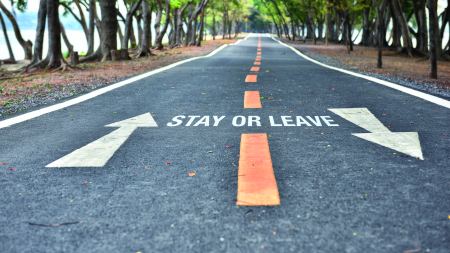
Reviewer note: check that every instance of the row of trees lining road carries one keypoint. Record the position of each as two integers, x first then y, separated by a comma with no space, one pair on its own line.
183,22
379,23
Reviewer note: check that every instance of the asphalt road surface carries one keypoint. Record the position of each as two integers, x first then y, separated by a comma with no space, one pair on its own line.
218,155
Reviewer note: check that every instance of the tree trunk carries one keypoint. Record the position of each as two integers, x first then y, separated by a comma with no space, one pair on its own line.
179,26
320,30
365,40
160,35
193,39
40,31
12,59
54,55
92,15
83,20
139,28
202,27
26,45
128,29
422,35
434,36
380,31
400,17
146,33
109,27
66,40
349,40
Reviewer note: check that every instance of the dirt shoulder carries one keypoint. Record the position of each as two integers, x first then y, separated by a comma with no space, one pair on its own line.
20,92
397,68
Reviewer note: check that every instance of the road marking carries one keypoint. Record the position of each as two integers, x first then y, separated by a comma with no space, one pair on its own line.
98,152
255,69
412,92
257,63
259,49
258,53
407,143
257,185
252,100
258,58
251,78
361,117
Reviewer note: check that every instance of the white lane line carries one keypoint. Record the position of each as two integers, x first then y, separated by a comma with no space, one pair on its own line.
34,114
407,143
98,152
419,94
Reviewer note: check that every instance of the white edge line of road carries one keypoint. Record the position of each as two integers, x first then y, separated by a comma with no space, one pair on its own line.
419,94
34,114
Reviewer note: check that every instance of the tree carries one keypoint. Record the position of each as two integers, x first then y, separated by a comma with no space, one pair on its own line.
26,44
11,59
434,36
109,27
161,32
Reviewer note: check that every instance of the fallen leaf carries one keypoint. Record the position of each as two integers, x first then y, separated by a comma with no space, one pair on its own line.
228,146
3,163
192,173
12,169
168,162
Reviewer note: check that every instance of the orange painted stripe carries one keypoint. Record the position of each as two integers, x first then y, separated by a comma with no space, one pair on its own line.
258,58
251,78
255,69
252,100
259,49
258,53
257,185
257,63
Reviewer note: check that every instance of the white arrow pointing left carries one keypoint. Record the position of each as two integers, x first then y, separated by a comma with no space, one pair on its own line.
98,153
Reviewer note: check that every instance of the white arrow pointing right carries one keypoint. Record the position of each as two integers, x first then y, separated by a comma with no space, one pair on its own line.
407,143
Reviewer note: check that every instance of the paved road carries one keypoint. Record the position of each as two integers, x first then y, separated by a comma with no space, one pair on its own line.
349,179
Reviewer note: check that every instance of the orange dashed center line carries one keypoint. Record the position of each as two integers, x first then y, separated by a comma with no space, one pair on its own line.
258,53
257,63
252,100
255,69
258,58
251,78
257,185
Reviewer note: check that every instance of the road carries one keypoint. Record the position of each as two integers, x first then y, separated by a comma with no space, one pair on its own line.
218,155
